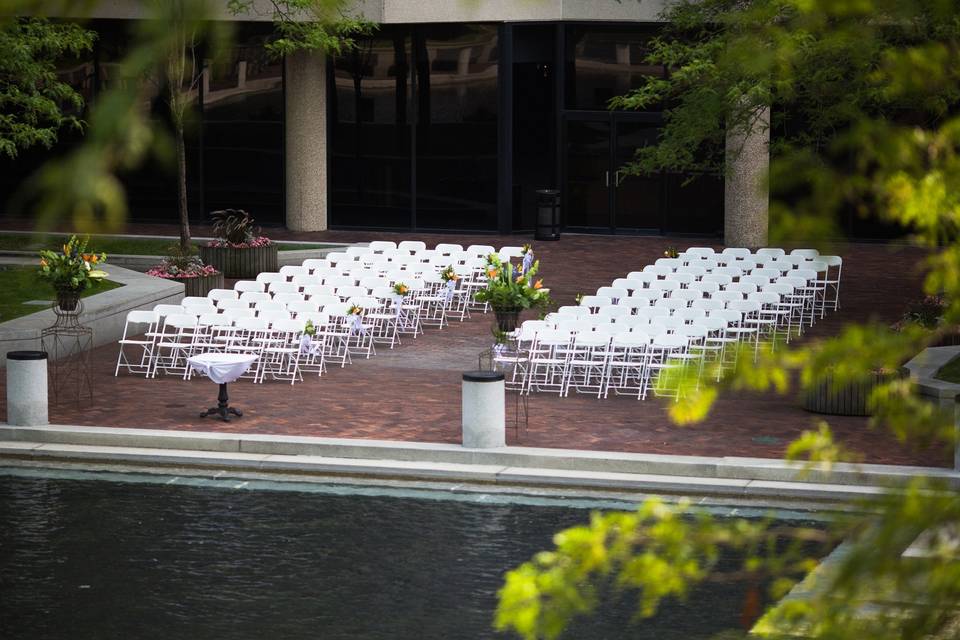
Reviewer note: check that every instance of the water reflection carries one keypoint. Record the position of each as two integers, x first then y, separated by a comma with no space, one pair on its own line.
97,559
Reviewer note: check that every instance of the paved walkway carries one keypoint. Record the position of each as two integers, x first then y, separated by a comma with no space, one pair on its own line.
412,392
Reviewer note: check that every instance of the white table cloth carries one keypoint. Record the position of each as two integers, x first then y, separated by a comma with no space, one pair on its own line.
222,368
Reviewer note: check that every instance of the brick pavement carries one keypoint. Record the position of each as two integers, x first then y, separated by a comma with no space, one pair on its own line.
412,392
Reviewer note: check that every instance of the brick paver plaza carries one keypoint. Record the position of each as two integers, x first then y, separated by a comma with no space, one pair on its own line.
412,393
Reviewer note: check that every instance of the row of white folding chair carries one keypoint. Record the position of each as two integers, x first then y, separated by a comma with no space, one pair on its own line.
708,287
744,253
380,246
584,359
667,267
829,268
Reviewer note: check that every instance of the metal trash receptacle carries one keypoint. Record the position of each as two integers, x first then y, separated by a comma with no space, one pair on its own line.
548,215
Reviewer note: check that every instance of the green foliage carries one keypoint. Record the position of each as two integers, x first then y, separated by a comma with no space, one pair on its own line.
864,95
34,103
82,187
660,551
308,25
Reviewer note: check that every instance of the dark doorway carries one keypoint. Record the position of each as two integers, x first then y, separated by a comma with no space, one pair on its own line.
600,196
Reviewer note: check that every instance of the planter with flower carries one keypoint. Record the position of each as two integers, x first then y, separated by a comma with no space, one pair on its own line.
849,395
239,250
71,271
186,267
510,292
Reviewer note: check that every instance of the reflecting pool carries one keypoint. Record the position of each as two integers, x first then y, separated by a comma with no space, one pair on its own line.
85,557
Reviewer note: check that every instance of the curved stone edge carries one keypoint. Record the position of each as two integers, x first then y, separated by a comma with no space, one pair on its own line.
105,312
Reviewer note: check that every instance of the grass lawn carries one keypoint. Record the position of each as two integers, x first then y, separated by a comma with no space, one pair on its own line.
122,246
950,372
20,284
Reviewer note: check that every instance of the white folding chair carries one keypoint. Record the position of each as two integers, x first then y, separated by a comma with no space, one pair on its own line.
627,363
412,246
280,356
176,338
138,318
243,286
223,294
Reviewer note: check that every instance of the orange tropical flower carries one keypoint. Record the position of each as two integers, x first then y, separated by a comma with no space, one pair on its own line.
492,273
43,262
538,284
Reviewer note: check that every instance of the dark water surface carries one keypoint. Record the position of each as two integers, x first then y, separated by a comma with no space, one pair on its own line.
82,558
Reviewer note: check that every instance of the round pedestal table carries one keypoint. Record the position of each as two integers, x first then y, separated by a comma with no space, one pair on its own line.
222,368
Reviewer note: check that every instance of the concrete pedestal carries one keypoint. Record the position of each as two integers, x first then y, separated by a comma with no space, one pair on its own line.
27,388
746,194
484,420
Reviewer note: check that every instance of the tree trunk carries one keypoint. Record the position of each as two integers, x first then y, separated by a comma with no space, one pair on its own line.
182,192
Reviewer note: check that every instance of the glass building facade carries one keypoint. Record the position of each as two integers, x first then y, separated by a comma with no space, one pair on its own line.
413,129
445,126
456,126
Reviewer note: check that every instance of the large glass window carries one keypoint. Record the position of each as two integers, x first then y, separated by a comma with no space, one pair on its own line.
371,159
606,62
457,127
414,110
243,129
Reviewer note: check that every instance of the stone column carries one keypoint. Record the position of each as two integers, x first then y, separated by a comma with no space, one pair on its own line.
306,141
746,196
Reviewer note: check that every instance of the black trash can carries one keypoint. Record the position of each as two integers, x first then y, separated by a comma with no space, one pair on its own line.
548,215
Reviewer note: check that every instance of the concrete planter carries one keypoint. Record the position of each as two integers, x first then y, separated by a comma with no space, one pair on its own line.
241,263
200,286
848,399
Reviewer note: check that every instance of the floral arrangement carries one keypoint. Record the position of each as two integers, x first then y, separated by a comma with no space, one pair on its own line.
234,228
449,274
927,313
671,252
509,289
72,269
180,264
309,329
401,289
355,310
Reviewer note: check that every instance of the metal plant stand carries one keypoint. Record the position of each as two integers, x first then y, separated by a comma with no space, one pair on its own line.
508,364
68,344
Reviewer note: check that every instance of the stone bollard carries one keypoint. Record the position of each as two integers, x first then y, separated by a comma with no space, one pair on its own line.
26,388
484,420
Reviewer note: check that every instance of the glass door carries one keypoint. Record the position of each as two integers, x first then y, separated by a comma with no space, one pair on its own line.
587,202
599,196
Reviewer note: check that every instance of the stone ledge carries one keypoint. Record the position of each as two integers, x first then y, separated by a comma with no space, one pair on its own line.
105,312
509,477
924,367
558,461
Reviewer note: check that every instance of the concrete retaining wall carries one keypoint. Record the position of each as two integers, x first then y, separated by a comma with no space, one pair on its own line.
945,395
105,312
